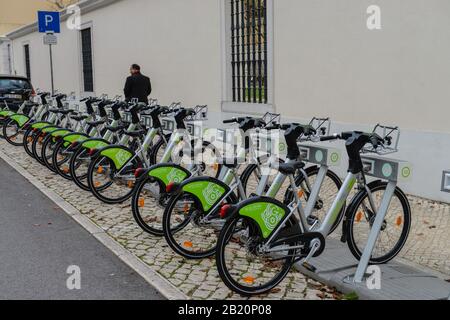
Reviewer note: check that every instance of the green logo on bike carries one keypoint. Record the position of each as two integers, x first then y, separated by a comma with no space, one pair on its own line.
209,193
334,157
267,215
406,172
119,156
176,176
168,174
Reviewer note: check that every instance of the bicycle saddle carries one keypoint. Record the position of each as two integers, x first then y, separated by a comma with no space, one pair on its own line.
96,123
136,133
291,168
118,128
65,112
79,118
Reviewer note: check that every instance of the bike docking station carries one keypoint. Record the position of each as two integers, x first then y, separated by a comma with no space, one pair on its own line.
338,268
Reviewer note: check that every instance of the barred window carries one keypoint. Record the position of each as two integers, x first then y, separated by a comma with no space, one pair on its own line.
249,50
26,49
86,56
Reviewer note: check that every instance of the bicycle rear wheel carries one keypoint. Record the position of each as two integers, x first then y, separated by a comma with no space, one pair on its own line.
61,159
186,228
79,167
13,133
106,184
241,267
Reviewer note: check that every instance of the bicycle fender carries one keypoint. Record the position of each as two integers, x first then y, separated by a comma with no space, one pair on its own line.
119,155
166,173
267,213
6,113
95,144
75,137
49,129
59,133
40,125
21,119
207,191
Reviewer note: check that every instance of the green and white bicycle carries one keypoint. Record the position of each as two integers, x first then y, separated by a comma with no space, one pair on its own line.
264,237
193,216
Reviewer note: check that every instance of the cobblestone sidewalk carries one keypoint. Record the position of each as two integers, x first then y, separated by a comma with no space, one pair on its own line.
196,279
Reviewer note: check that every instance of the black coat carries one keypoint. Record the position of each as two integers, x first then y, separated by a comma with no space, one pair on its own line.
137,86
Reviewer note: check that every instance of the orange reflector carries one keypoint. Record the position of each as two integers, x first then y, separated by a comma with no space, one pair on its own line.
97,184
130,184
300,193
359,216
141,202
188,244
186,208
66,170
30,139
399,221
100,170
249,280
40,140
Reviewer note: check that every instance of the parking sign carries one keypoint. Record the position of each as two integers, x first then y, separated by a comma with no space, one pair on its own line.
49,21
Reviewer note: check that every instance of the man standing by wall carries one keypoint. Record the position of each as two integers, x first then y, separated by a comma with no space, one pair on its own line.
137,85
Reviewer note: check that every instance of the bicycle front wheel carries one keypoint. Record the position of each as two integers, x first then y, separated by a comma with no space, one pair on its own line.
395,228
190,231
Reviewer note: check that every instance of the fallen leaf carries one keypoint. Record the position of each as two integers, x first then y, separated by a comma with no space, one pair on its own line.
321,295
275,290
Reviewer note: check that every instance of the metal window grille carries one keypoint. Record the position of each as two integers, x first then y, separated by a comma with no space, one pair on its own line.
9,59
249,50
26,49
86,54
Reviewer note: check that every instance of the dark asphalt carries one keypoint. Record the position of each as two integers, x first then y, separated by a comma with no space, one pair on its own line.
39,241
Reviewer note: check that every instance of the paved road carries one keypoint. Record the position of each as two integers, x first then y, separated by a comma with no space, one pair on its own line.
39,241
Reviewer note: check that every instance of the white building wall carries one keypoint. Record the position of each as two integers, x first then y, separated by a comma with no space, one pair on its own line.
175,43
326,63
4,57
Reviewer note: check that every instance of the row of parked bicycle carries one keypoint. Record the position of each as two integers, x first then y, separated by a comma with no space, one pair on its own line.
258,217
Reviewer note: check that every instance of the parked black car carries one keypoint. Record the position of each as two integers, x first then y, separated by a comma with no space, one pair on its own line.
14,90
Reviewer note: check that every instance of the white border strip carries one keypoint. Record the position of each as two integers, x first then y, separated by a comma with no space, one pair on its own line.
161,284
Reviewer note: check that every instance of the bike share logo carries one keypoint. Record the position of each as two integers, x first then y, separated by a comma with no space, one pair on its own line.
211,193
175,176
272,216
122,157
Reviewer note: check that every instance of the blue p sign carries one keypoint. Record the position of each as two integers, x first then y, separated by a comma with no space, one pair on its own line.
49,21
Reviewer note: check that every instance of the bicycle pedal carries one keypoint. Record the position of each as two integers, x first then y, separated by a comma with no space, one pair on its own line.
309,267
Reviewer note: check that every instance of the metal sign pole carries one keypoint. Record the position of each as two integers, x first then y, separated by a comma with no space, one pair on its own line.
51,69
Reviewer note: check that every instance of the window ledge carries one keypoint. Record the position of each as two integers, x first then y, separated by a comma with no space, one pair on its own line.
247,108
